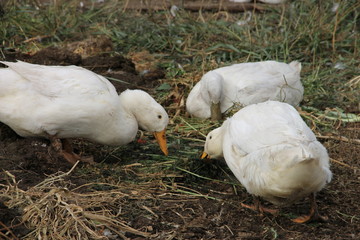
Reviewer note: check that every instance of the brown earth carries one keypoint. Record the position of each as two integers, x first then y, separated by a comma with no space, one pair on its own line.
168,212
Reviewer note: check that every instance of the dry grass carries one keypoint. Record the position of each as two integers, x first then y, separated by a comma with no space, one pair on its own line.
55,209
55,212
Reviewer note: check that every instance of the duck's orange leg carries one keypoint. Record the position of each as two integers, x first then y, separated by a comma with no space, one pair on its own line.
314,214
69,154
64,148
257,207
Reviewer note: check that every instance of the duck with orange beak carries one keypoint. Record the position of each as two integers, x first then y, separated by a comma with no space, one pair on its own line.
274,155
62,102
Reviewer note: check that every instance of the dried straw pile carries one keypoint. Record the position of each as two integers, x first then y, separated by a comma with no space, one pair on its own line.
52,211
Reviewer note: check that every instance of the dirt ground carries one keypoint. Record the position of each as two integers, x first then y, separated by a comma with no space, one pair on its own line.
170,213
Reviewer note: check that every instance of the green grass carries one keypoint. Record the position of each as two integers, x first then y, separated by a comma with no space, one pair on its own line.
307,31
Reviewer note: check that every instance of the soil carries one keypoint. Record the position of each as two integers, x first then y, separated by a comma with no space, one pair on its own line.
178,216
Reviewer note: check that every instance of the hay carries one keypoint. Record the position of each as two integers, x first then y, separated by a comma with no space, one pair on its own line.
55,212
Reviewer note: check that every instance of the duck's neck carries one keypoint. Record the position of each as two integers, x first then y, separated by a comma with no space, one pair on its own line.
121,128
215,111
213,84
223,129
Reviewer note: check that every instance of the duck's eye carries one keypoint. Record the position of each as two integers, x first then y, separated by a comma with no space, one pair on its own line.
210,137
159,116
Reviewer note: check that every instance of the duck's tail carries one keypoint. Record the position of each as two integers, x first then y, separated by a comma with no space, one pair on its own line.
296,65
305,170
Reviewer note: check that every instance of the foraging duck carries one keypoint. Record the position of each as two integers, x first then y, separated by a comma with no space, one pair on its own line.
61,102
274,155
245,84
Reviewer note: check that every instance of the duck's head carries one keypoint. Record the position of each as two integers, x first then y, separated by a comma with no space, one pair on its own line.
212,92
150,115
214,144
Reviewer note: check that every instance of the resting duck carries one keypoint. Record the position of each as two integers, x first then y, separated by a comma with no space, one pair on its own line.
245,84
61,102
274,155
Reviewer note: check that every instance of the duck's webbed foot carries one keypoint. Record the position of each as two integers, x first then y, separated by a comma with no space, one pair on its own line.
73,158
314,215
257,207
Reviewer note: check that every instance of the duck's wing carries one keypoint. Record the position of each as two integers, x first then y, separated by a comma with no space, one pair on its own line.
256,82
267,124
62,81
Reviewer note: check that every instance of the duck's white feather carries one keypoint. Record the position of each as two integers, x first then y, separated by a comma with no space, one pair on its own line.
70,101
265,125
246,83
273,153
62,81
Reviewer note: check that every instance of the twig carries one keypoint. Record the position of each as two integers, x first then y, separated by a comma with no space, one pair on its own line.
182,119
206,178
195,194
37,38
116,80
52,179
8,230
341,163
345,215
125,5
339,138
150,211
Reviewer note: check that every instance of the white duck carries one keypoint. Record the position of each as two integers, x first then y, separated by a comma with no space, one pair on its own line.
60,102
245,84
274,155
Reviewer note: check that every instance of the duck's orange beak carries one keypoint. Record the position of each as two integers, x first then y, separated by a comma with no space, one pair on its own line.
161,139
204,155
